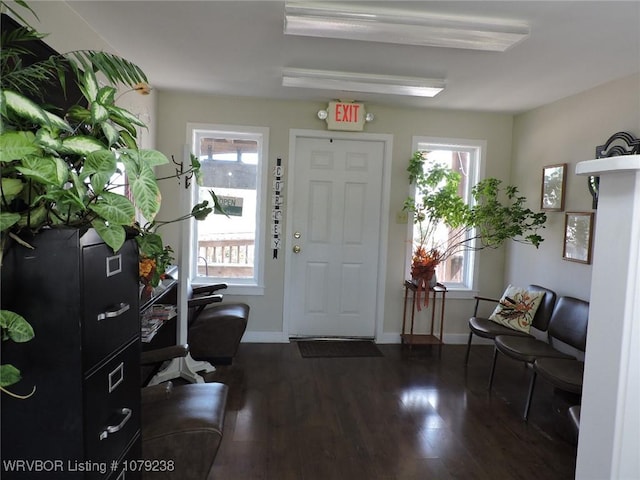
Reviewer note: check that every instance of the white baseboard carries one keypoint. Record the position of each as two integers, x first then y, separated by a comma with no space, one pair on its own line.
264,337
463,338
387,337
449,339
384,338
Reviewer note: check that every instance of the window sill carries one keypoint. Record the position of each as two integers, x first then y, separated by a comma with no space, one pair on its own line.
459,294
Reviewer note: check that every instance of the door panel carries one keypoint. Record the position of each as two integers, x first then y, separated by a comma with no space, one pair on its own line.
336,208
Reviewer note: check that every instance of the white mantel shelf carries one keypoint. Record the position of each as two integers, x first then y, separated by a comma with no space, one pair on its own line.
609,440
608,165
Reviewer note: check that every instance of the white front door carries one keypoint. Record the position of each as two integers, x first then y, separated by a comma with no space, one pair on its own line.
334,243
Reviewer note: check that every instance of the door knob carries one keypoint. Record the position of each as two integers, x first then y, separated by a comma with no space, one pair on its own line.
296,249
297,235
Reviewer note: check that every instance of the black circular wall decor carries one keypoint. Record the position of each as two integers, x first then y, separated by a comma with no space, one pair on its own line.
621,143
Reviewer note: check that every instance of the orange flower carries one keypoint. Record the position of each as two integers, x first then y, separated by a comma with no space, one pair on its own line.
423,267
146,267
426,258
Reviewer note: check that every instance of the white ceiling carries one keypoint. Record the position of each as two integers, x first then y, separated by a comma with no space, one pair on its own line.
238,48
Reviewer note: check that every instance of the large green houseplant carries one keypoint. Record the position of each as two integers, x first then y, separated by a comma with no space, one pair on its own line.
58,168
495,215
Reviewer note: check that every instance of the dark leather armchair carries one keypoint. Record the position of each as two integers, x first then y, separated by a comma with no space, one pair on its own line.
485,328
182,424
215,328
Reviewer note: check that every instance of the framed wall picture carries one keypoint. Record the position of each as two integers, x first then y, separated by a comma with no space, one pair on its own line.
554,179
578,233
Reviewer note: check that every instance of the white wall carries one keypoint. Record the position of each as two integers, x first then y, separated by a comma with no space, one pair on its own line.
566,131
176,109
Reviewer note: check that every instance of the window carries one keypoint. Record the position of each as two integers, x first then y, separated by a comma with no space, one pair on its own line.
227,248
466,158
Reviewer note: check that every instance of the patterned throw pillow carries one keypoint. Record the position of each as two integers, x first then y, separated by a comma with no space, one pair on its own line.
517,308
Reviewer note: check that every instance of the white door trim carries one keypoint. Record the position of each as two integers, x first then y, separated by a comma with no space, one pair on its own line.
289,176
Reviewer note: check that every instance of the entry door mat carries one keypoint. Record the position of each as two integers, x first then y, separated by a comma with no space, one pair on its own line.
337,348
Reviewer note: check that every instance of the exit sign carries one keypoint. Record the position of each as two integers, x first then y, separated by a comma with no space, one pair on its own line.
346,116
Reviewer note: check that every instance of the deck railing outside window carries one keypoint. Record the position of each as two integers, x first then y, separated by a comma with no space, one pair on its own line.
229,258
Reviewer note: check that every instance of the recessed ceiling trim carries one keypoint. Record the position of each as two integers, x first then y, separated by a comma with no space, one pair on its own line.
356,22
361,82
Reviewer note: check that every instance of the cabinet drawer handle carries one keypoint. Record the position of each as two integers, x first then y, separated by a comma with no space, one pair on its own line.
116,377
120,308
111,429
114,265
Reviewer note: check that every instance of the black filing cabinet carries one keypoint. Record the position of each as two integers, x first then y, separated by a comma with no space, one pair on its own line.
83,419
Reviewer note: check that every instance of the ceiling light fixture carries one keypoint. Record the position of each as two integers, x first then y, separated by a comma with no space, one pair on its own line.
362,82
388,25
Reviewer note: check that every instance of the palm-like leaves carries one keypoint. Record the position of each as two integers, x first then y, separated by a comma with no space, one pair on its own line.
114,68
29,79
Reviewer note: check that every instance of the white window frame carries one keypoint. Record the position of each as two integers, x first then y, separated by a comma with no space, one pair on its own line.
236,286
468,287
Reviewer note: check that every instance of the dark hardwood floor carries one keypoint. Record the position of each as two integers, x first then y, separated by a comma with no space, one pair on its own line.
419,416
